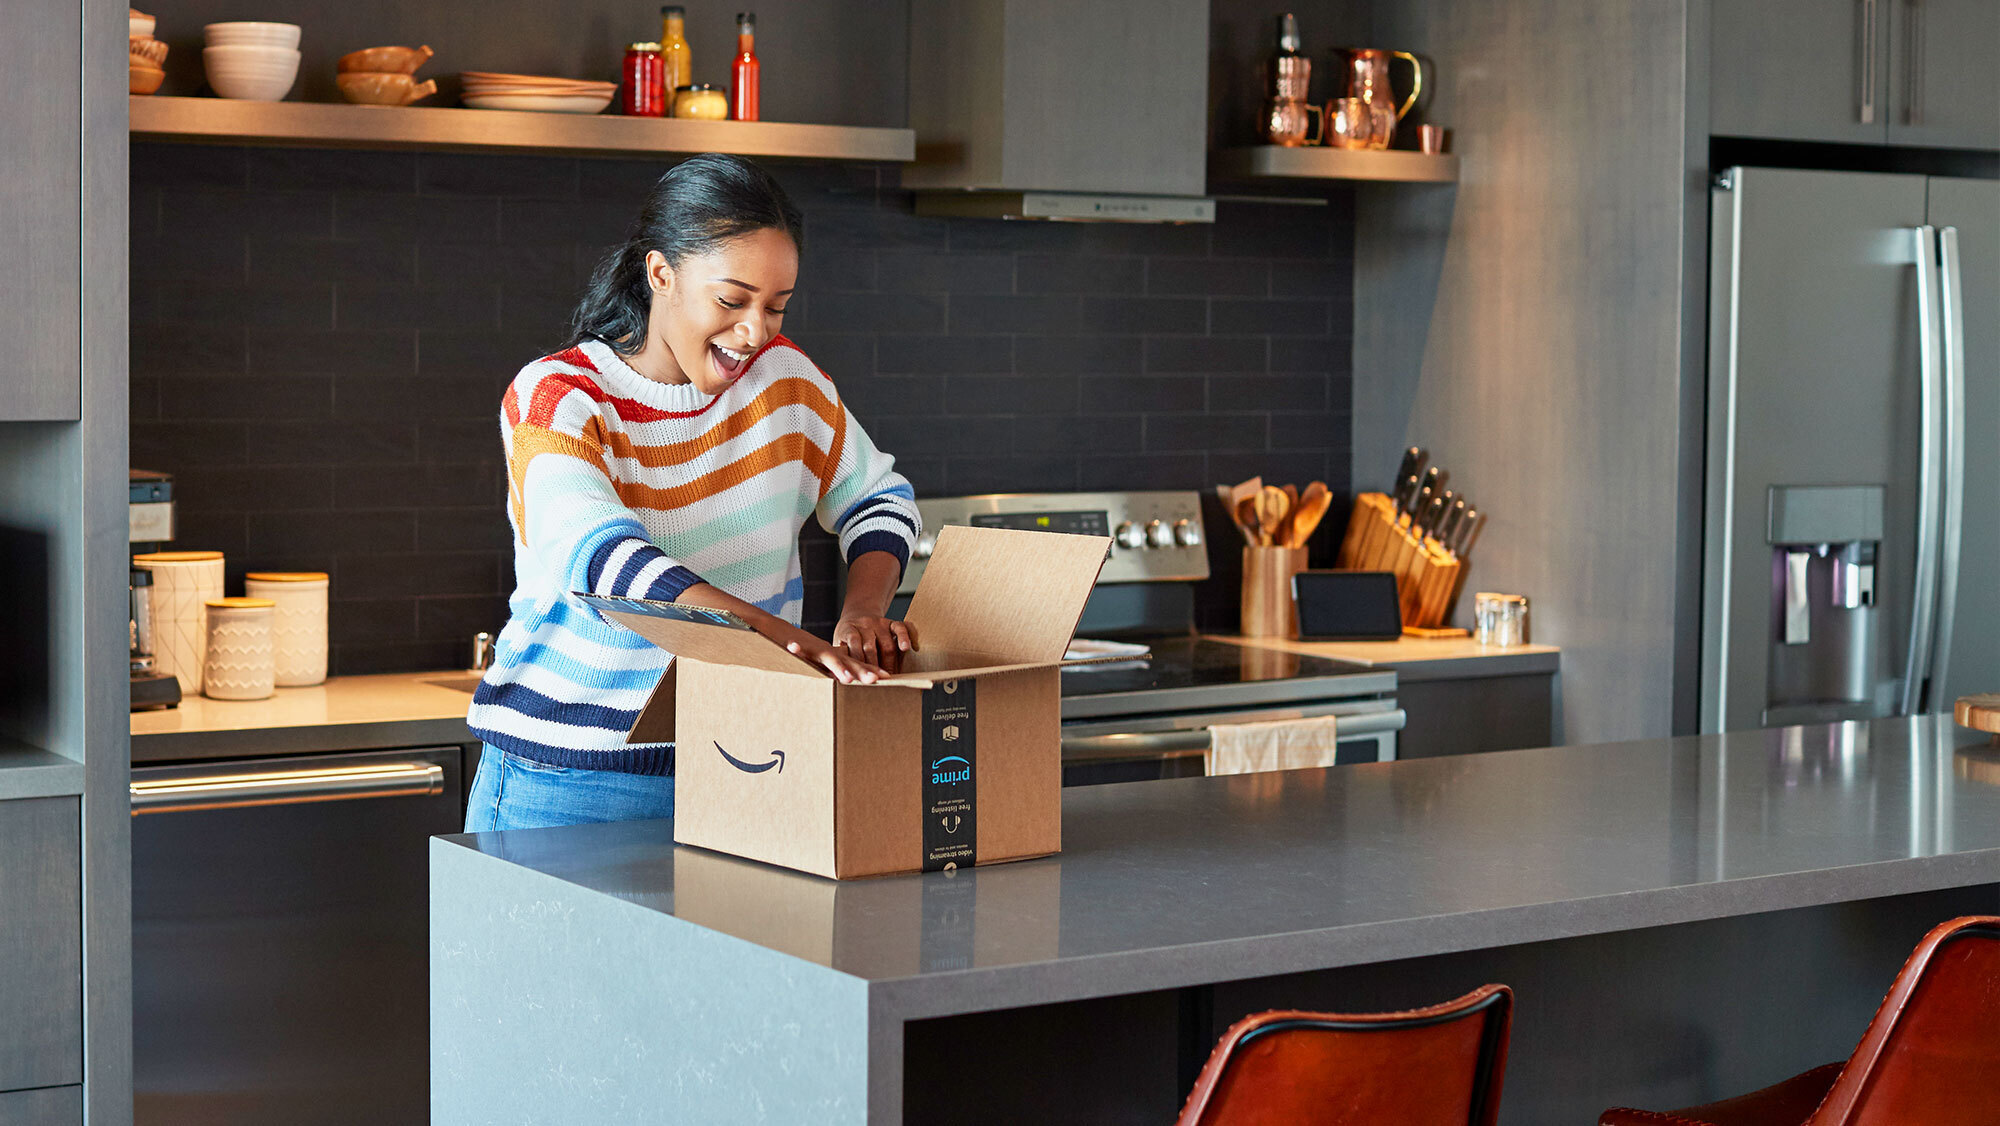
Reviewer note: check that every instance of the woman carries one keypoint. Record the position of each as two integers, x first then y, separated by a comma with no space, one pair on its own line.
673,452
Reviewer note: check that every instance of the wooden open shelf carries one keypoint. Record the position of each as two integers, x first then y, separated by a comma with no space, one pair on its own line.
332,125
1312,162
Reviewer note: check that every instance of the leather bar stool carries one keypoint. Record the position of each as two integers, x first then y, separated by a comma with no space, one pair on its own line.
1436,1066
1931,1056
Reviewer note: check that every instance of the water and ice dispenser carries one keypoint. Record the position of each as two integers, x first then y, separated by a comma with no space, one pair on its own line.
1826,656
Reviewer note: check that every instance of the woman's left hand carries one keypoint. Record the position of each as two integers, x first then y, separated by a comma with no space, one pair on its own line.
879,641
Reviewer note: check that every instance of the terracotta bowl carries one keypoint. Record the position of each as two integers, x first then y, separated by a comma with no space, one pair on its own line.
152,50
382,89
146,79
385,60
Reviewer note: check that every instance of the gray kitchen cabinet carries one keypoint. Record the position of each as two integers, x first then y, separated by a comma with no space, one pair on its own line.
1801,70
41,930
40,197
44,1106
1944,84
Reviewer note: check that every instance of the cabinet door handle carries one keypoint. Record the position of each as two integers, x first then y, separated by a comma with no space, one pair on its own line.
286,787
1867,62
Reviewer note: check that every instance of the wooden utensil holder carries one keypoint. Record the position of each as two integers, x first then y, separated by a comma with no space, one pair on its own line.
1267,590
1428,577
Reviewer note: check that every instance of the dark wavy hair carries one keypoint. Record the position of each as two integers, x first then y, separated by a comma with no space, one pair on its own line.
700,203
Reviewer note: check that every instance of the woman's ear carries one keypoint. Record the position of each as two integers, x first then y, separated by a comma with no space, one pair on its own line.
659,275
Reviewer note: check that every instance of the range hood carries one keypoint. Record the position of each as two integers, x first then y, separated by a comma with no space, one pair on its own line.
1081,110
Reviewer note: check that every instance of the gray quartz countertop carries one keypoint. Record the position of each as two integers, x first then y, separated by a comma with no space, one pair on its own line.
1210,879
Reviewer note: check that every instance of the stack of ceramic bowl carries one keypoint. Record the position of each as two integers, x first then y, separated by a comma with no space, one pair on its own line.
484,90
384,76
254,62
149,55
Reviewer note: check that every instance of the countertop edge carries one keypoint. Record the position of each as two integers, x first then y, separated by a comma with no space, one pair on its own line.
367,735
1238,959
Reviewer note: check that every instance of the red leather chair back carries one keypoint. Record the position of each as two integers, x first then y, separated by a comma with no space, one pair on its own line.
1932,1053
1437,1066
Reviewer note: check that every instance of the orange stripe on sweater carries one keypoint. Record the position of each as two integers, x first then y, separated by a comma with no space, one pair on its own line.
530,442
791,391
779,451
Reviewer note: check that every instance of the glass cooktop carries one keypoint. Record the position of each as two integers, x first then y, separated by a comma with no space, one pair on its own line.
1188,672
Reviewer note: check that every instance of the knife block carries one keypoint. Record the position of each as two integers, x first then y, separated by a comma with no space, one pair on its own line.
1428,577
1268,610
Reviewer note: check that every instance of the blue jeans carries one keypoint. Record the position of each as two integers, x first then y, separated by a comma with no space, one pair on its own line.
511,792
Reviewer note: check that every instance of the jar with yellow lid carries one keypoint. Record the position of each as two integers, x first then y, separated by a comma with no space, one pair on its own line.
701,102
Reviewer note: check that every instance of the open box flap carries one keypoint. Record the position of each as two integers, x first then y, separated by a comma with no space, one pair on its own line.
680,631
929,678
1015,594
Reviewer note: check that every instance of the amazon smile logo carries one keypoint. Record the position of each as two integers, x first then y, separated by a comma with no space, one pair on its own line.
777,759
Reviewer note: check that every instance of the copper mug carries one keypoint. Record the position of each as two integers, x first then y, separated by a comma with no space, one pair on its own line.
1365,116
1292,122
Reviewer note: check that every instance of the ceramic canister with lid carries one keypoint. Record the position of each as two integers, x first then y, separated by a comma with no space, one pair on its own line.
183,583
239,649
298,624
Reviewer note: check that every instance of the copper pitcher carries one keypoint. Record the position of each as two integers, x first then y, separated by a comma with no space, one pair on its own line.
1365,114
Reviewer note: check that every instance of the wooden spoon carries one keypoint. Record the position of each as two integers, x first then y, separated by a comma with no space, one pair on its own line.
1312,507
1246,519
1283,538
1272,508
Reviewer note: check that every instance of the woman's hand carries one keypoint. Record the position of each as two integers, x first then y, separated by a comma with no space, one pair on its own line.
844,666
875,639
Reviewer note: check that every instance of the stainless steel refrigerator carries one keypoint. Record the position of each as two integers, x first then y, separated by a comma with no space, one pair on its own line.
1853,478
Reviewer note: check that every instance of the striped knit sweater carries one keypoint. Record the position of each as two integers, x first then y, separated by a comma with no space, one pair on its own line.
622,485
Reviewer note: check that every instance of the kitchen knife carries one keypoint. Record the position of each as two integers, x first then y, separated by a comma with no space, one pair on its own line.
1406,494
1454,523
1434,479
1469,529
1434,516
1419,504
1413,464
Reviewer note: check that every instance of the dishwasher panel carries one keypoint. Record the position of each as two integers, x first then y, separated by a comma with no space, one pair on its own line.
280,929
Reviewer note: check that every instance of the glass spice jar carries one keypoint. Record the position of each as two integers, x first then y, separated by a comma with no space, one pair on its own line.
701,101
643,92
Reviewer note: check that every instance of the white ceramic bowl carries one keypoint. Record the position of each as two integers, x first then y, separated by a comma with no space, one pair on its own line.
285,35
253,74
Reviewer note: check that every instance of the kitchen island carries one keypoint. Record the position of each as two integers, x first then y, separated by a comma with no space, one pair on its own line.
1682,918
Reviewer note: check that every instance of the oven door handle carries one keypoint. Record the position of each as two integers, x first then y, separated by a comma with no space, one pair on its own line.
1083,748
236,790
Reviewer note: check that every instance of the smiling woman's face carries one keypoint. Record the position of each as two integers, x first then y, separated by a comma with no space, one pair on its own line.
715,310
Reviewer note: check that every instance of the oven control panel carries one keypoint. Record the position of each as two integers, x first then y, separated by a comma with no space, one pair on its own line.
1155,536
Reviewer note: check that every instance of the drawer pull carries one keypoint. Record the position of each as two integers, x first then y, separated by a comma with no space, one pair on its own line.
286,787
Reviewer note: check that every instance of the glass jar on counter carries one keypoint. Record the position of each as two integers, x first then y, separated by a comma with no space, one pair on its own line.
702,102
1500,619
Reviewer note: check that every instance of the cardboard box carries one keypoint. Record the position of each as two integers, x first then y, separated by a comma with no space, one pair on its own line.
955,761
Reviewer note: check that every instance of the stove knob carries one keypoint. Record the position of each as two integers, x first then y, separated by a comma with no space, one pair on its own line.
1130,535
1186,534
926,544
1158,534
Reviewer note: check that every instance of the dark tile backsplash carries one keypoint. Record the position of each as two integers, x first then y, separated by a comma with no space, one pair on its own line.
320,341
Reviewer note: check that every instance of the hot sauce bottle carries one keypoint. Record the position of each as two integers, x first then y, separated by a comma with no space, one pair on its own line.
743,72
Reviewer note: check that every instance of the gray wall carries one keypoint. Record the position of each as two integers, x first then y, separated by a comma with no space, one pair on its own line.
1526,326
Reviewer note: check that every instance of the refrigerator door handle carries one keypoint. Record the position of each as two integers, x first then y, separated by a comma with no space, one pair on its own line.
1951,317
1923,600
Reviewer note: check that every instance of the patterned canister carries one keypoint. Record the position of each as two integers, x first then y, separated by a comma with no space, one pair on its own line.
298,625
183,583
239,649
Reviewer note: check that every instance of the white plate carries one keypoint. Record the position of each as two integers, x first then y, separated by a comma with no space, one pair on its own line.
1084,650
544,103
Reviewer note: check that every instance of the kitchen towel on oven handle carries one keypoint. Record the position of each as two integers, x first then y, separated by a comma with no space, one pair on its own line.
1284,744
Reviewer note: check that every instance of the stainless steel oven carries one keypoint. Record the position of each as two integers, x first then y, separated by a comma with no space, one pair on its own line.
280,936
1149,718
